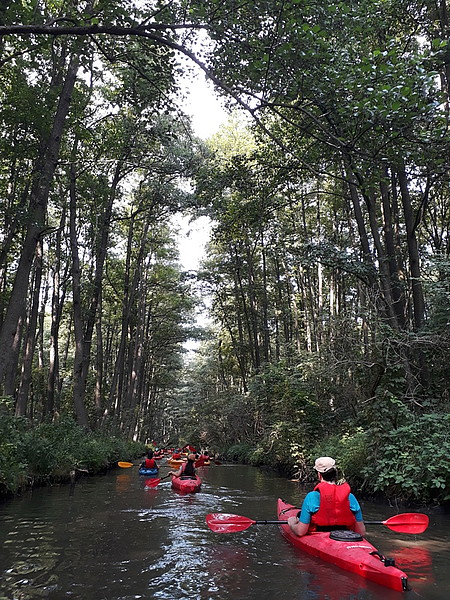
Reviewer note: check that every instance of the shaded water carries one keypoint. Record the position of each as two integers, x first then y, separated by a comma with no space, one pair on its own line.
110,538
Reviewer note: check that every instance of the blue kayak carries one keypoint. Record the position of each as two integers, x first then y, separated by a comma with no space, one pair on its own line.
148,472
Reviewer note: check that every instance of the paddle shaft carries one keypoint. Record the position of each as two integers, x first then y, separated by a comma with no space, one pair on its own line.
413,523
375,522
285,522
270,523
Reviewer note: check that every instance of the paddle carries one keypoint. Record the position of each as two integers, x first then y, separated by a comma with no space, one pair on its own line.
154,482
405,523
127,465
228,523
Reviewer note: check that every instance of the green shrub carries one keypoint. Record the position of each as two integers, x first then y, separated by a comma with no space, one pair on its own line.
13,469
50,451
349,449
411,461
239,453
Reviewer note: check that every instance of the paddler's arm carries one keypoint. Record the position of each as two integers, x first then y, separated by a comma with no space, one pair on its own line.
297,526
360,528
176,473
301,522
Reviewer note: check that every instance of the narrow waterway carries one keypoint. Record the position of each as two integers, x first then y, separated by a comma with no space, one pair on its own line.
110,538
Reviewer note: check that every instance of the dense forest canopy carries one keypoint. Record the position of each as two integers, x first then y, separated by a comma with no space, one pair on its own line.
328,266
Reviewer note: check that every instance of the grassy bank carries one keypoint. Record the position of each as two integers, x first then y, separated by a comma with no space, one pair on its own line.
407,464
48,453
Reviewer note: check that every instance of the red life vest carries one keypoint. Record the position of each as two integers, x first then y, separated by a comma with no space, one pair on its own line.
334,509
150,463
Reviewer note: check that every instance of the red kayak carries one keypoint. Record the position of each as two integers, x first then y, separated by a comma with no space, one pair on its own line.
358,556
186,484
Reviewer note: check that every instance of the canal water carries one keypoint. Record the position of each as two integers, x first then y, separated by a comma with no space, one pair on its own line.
110,538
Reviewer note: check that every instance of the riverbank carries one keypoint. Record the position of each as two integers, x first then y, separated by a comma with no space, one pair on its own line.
55,452
406,466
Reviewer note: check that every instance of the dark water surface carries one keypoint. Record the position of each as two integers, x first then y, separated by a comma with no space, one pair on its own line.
110,538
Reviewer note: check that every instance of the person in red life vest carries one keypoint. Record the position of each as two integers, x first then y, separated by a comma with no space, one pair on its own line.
149,462
201,459
186,469
329,506
177,455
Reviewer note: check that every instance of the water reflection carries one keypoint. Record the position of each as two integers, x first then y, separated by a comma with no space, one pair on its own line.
31,547
417,562
123,482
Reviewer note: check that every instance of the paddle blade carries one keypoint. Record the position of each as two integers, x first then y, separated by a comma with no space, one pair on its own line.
151,483
408,523
125,465
227,523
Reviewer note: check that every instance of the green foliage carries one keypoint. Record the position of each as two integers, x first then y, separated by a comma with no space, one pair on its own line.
240,453
13,468
285,447
283,389
351,101
411,461
50,451
348,449
437,284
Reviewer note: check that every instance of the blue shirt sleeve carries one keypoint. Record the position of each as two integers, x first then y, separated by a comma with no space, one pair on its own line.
355,507
311,505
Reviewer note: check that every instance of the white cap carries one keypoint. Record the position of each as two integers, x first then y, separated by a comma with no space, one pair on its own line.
324,464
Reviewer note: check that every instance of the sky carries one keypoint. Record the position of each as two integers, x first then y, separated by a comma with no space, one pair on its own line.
207,115
203,106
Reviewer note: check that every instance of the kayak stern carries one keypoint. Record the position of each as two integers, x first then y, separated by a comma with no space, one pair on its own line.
359,557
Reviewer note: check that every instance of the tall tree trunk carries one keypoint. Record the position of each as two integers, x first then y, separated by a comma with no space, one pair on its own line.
58,297
265,303
36,223
30,339
363,237
413,250
384,273
99,371
241,301
78,398
389,241
130,289
84,332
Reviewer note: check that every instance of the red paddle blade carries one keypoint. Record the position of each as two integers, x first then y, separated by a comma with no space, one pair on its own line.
152,482
408,523
226,523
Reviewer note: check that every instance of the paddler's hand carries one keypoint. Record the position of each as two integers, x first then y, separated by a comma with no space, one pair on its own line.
297,527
